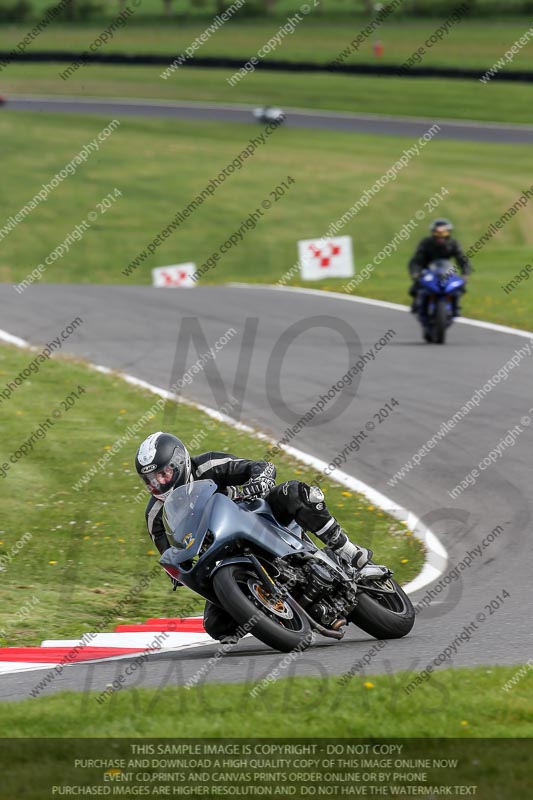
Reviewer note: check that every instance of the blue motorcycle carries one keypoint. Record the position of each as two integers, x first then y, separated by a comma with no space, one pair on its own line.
440,289
272,579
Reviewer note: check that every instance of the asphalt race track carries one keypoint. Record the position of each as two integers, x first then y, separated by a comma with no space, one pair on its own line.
135,329
296,118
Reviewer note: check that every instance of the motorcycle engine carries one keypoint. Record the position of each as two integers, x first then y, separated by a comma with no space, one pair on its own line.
319,585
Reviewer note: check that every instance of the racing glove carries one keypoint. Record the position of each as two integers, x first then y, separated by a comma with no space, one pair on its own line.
257,489
260,485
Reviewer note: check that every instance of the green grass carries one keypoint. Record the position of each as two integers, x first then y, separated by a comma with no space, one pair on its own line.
454,715
432,98
472,43
356,9
160,166
89,548
454,703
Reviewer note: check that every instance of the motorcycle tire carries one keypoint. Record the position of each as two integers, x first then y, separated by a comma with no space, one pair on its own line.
440,321
384,616
239,592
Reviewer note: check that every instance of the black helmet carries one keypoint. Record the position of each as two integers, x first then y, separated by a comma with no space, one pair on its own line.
441,227
163,462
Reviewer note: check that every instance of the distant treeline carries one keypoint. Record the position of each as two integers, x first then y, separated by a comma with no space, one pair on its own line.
80,10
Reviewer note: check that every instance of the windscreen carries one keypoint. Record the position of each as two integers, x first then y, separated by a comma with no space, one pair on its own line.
442,266
183,509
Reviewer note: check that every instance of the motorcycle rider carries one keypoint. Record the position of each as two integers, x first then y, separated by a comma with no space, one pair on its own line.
440,245
163,463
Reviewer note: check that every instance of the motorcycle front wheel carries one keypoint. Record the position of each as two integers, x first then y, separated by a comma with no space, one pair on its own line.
440,321
274,621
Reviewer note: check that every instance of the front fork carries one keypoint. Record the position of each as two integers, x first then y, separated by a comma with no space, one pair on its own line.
426,306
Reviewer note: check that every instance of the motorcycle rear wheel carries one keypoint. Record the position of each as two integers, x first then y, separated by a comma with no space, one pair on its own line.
389,615
278,624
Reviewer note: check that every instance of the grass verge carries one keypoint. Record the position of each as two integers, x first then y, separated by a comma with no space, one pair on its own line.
462,720
318,38
433,98
81,552
160,166
457,703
